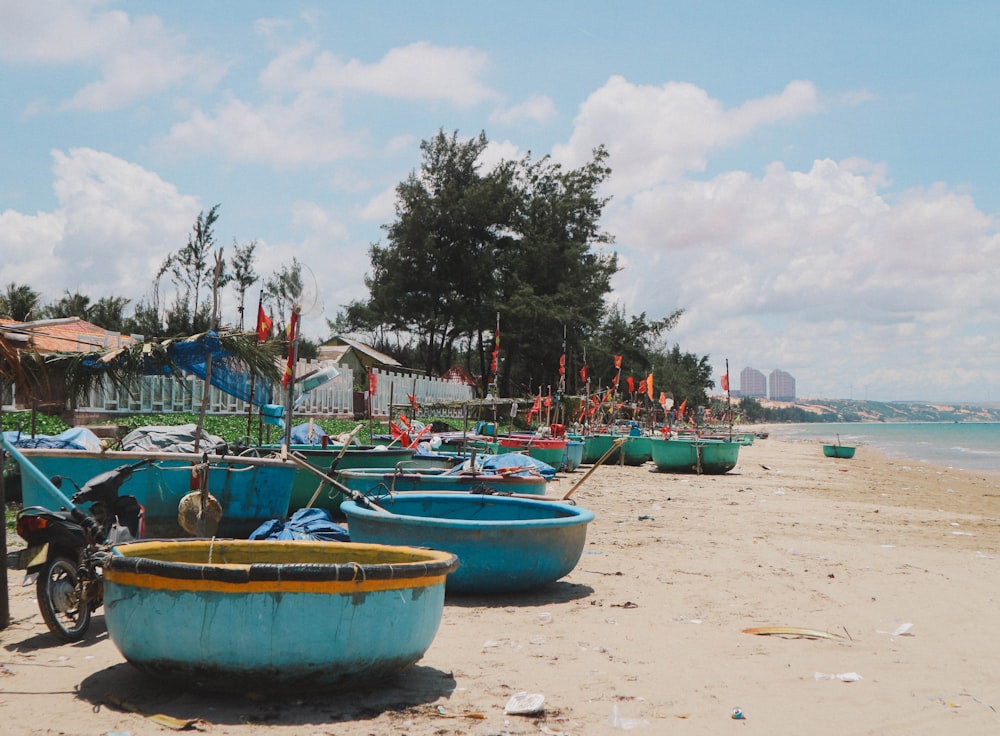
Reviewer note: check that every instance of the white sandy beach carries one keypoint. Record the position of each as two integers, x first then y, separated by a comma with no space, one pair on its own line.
899,562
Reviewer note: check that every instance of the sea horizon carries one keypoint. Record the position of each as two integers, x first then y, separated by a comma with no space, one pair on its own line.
963,445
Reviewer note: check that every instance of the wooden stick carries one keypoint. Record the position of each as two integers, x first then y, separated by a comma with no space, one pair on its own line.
614,446
355,495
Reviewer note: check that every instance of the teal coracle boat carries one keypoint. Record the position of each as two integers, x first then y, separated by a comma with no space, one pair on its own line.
548,450
503,544
711,457
273,617
573,456
636,450
596,445
305,483
842,451
377,482
250,490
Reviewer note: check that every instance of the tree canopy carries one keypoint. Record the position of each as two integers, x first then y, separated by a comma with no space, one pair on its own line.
521,240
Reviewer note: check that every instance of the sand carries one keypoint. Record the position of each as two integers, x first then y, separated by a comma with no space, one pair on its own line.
899,562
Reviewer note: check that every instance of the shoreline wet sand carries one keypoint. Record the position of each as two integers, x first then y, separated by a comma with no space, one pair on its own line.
896,561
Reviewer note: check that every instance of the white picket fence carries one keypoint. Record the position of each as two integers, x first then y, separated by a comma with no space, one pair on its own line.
167,395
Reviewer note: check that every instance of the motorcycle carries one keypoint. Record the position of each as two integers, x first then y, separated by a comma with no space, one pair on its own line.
66,548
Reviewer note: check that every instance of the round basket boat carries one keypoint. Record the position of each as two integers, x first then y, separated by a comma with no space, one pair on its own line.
503,544
252,616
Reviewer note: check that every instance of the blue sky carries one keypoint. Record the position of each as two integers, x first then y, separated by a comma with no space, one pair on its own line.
815,184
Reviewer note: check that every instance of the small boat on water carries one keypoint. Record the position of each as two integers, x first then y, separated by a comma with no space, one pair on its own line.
250,490
503,544
838,450
273,617
694,455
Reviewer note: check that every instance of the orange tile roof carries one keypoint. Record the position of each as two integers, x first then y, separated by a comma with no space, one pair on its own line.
66,335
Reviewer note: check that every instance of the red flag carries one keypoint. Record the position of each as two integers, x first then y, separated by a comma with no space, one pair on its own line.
642,385
680,409
293,326
649,385
263,324
548,401
618,362
496,352
413,402
725,382
538,404
631,385
562,365
372,382
583,373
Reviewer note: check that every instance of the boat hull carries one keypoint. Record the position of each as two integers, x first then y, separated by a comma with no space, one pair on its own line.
249,490
503,544
711,457
381,482
550,451
842,451
596,445
273,616
573,457
636,450
305,483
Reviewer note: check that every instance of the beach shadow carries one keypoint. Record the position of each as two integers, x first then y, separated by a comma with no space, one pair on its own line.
123,687
557,592
97,633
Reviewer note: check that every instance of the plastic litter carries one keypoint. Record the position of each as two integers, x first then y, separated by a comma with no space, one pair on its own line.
843,676
738,714
525,704
625,724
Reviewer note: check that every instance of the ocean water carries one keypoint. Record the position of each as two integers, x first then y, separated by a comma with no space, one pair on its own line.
965,445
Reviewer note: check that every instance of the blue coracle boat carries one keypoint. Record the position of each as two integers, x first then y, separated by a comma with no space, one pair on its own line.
273,617
503,544
250,490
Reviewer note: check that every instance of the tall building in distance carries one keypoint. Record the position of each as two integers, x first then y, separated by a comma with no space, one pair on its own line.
753,385
781,386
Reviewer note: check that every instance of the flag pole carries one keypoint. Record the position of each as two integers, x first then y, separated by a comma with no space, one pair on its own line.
729,403
293,356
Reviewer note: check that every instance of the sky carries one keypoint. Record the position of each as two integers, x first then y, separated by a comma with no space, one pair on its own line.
816,185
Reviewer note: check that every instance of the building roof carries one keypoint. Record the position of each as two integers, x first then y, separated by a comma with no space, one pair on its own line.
373,356
64,335
458,373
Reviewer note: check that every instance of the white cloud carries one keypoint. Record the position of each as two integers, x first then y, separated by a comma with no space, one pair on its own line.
114,224
136,58
535,109
307,133
657,134
418,71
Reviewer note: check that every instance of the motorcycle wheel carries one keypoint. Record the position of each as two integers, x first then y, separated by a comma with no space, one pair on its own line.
59,599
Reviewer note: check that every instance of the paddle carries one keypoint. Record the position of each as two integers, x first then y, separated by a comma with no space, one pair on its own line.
333,464
359,498
614,446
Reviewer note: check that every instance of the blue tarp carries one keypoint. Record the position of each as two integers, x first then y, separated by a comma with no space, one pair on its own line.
301,434
75,438
517,460
315,524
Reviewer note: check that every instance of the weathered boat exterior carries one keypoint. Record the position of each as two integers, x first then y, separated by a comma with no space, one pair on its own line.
377,482
548,450
267,617
305,483
573,456
842,451
503,544
636,450
711,457
596,445
251,490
